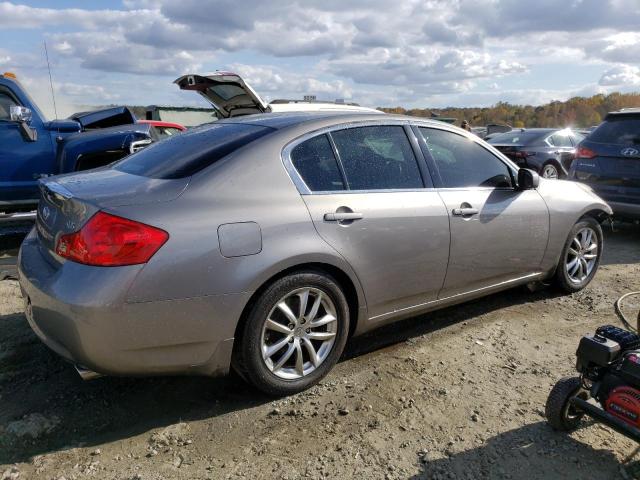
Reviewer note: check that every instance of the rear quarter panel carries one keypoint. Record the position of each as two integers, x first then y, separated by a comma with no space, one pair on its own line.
251,185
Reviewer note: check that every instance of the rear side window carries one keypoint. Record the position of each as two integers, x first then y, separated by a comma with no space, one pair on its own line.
377,158
317,165
461,162
622,130
183,155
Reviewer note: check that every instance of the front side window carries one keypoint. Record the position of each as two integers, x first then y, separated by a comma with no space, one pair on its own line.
317,165
6,102
461,162
377,158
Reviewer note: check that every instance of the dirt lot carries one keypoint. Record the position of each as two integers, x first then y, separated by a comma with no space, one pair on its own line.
458,394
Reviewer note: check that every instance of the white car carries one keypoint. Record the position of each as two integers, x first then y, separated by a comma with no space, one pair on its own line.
231,96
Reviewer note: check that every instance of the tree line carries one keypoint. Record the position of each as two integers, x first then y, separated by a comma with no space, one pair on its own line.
579,112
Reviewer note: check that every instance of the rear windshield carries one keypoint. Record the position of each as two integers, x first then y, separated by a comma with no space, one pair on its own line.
622,130
185,154
515,138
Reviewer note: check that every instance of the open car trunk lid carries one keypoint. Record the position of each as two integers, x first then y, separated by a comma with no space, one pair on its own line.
68,201
229,94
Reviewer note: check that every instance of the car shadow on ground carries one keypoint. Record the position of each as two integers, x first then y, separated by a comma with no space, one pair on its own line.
531,452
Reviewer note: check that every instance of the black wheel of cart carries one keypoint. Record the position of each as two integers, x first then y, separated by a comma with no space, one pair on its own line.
560,414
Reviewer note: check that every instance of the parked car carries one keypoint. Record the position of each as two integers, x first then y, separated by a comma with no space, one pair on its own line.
32,147
548,151
164,129
608,160
231,96
263,242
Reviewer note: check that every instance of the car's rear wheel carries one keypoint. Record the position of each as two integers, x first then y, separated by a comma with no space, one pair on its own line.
580,256
295,333
550,170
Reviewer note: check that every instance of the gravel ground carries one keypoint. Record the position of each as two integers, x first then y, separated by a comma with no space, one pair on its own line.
457,394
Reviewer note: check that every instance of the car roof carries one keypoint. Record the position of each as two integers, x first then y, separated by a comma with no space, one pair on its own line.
291,119
624,111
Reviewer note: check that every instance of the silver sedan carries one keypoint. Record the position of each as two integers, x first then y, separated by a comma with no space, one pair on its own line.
264,242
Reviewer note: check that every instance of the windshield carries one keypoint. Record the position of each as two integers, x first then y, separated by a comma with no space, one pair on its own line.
622,130
185,154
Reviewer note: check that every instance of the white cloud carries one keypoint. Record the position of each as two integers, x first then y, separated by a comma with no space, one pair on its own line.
621,76
368,50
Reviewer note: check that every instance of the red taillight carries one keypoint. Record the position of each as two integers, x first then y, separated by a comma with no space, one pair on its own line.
584,152
110,241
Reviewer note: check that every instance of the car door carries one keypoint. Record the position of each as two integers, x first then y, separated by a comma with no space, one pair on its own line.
22,160
498,233
371,200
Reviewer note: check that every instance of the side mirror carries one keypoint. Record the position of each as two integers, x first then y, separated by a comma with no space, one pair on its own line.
527,179
20,114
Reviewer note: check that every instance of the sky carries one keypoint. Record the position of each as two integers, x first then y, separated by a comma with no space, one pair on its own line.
411,53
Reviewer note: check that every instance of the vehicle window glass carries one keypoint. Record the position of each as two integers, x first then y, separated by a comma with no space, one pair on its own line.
317,165
6,102
621,130
461,162
377,158
227,91
183,155
560,140
576,138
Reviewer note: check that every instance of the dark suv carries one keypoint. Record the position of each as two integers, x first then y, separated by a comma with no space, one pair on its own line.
608,160
548,151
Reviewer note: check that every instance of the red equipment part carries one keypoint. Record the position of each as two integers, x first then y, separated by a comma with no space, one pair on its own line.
624,403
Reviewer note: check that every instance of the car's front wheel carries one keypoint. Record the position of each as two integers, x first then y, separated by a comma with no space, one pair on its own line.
294,334
580,256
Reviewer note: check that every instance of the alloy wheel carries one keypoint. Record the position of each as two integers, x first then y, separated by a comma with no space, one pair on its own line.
550,171
299,333
582,255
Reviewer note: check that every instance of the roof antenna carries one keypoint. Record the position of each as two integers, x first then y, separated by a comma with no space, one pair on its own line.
53,96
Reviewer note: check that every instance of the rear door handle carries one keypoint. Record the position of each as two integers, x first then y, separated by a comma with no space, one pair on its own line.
463,212
342,216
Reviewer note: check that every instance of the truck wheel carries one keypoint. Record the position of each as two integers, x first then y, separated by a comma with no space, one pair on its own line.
580,256
560,414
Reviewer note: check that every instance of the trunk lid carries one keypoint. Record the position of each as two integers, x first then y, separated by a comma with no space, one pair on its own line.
68,201
229,94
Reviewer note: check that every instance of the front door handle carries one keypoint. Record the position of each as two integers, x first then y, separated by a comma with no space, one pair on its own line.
342,216
463,212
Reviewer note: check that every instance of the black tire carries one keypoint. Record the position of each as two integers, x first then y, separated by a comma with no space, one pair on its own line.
560,414
562,278
248,358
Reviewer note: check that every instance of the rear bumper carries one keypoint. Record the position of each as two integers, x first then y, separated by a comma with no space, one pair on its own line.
80,312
